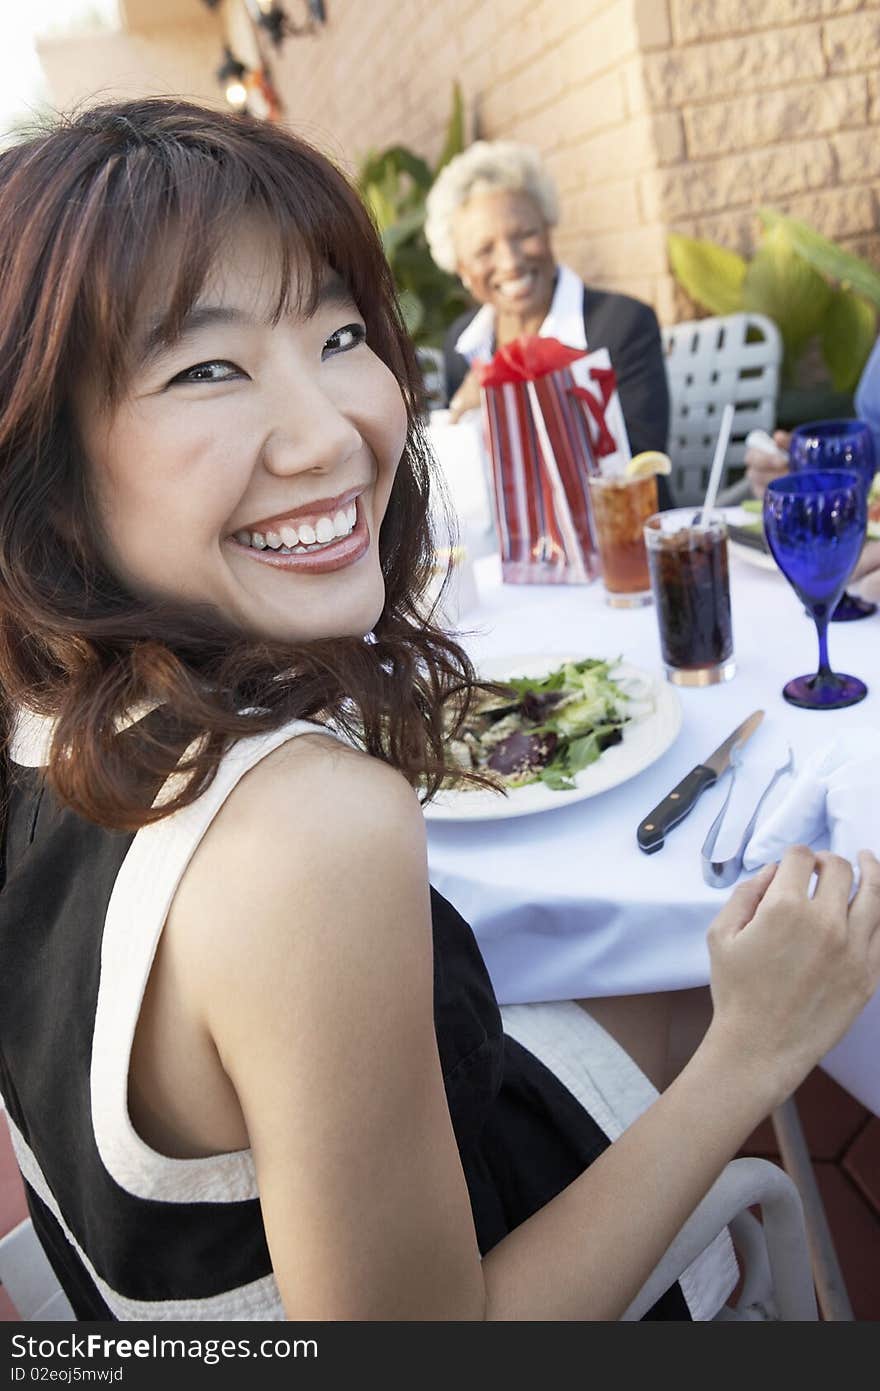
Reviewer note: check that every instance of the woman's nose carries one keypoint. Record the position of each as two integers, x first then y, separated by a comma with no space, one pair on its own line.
508,254
313,433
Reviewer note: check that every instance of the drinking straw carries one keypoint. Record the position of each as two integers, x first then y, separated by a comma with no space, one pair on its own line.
718,461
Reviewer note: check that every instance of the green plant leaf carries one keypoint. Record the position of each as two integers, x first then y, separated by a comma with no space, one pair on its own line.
711,275
381,207
824,256
393,162
849,329
453,143
780,284
402,229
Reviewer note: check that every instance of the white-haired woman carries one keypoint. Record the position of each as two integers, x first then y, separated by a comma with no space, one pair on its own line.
490,216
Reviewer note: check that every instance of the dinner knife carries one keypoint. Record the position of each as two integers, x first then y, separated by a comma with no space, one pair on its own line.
682,799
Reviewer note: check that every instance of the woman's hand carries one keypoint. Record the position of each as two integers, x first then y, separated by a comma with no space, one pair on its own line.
762,466
791,971
466,398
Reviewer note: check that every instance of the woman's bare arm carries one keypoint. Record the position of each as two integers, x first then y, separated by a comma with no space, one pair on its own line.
308,912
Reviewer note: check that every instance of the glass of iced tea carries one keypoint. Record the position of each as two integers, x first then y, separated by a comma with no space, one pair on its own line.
687,558
621,506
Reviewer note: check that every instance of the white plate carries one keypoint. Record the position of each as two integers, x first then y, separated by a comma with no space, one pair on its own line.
644,740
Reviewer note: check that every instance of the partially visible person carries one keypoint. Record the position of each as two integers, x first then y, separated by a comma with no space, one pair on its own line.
762,467
490,217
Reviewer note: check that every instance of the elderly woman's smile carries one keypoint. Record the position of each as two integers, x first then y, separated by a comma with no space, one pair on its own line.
504,255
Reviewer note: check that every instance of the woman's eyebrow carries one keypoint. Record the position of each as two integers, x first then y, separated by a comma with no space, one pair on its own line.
156,340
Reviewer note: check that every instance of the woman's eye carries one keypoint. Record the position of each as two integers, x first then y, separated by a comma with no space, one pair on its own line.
349,336
216,371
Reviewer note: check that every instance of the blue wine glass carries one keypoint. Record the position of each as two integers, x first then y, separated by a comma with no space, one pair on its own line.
833,444
815,526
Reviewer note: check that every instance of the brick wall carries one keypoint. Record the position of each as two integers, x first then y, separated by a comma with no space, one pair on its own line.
779,104
651,114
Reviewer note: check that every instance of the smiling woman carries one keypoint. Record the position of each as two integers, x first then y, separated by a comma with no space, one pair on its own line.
491,215
253,1064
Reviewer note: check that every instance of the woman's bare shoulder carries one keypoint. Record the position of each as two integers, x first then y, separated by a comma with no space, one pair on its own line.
315,841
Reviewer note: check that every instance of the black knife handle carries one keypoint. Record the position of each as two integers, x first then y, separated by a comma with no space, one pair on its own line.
674,808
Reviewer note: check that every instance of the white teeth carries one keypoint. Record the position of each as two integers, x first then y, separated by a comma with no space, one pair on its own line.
517,286
298,539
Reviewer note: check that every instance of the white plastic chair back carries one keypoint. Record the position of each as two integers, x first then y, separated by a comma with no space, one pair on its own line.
709,362
433,374
777,1281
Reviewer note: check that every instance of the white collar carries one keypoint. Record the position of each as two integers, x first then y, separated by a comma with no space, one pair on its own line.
564,321
31,738
32,733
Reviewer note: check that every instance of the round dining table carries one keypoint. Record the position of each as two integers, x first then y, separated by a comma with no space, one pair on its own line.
563,902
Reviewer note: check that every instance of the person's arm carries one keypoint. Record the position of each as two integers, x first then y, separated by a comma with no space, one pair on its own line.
867,396
312,968
637,357
455,366
629,329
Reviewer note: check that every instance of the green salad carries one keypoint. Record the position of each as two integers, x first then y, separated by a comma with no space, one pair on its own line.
547,729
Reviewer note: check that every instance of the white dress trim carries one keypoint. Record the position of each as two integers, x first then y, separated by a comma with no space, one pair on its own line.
139,904
259,1300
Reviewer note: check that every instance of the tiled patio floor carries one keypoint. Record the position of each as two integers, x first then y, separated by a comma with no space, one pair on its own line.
844,1142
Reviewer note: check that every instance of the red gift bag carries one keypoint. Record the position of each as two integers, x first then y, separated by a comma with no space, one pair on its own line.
545,435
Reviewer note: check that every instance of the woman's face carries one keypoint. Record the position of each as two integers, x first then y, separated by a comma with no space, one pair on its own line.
504,254
249,465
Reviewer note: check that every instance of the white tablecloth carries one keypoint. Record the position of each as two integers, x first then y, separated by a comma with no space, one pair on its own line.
563,903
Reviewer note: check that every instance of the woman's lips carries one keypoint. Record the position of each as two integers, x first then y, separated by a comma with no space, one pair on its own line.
323,559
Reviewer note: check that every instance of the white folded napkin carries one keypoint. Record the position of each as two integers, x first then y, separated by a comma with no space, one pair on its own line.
837,792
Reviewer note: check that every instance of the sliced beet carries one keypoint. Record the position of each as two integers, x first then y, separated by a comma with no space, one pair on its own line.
522,753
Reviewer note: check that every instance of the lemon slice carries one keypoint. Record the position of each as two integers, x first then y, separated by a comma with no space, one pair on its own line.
648,462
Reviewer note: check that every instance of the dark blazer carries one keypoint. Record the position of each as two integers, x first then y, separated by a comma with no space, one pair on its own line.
629,330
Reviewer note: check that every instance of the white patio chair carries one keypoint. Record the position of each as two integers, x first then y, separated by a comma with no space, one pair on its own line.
774,1256
431,362
709,362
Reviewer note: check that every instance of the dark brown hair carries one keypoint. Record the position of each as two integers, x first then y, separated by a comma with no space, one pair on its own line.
82,206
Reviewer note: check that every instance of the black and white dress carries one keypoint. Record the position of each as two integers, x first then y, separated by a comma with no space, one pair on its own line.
133,1234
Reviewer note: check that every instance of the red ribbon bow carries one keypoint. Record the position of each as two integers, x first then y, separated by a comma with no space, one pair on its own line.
524,359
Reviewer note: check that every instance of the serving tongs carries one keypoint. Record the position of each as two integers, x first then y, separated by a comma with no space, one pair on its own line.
719,874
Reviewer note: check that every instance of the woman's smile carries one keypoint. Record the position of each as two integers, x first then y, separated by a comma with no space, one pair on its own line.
330,540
